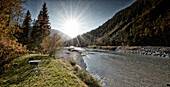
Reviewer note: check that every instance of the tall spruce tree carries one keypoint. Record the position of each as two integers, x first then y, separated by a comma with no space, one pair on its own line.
26,27
41,28
44,21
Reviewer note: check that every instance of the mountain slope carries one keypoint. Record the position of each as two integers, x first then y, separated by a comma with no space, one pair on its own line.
61,34
145,22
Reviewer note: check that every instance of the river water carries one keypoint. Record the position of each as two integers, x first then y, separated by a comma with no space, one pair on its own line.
127,70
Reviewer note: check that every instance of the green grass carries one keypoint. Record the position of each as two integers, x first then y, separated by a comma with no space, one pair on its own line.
86,78
55,72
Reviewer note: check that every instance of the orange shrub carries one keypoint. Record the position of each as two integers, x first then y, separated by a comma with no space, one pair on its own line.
9,50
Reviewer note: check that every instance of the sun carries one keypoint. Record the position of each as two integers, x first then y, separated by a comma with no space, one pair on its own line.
72,27
72,18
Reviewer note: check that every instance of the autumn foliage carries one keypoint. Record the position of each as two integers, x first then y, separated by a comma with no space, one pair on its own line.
52,44
10,13
10,49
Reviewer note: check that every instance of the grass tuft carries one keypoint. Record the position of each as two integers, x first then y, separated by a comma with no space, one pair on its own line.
86,78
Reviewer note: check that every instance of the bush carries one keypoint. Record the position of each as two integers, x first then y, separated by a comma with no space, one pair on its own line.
86,78
10,49
52,44
89,80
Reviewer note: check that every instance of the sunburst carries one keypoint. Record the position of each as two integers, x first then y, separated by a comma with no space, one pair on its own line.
73,17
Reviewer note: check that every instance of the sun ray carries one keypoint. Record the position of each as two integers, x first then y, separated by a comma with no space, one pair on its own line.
78,41
70,9
83,11
81,36
64,9
75,13
84,17
73,21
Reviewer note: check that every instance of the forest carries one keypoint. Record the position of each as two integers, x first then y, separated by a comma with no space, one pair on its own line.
144,23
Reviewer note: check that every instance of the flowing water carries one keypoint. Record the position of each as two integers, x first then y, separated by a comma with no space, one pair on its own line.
128,70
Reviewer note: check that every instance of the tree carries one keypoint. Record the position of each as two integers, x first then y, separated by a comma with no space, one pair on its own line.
26,27
10,13
43,19
52,44
35,36
41,27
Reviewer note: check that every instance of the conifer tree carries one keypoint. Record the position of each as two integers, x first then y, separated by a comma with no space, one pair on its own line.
26,27
43,19
41,27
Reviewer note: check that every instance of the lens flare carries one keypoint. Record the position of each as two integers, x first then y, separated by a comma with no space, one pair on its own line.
72,27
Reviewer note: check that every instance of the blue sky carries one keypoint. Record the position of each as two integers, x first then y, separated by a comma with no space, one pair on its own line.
89,14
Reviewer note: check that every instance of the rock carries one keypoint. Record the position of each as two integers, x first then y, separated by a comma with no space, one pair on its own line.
167,56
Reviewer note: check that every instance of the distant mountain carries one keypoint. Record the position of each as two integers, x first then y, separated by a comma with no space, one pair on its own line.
61,34
145,22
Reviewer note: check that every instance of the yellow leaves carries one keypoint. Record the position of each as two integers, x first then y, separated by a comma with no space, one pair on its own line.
162,28
52,43
10,10
10,49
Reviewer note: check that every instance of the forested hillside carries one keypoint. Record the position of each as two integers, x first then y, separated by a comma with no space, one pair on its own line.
145,22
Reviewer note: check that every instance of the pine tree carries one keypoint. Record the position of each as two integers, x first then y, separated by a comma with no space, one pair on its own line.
41,28
35,38
26,27
43,19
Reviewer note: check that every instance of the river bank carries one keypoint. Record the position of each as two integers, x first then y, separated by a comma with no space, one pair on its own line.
120,68
143,50
146,50
71,54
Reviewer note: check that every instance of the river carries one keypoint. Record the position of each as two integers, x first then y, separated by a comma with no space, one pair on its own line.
127,70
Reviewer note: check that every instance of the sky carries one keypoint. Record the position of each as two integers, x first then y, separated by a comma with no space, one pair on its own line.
75,17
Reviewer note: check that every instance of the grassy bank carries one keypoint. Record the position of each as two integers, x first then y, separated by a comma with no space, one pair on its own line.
55,72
